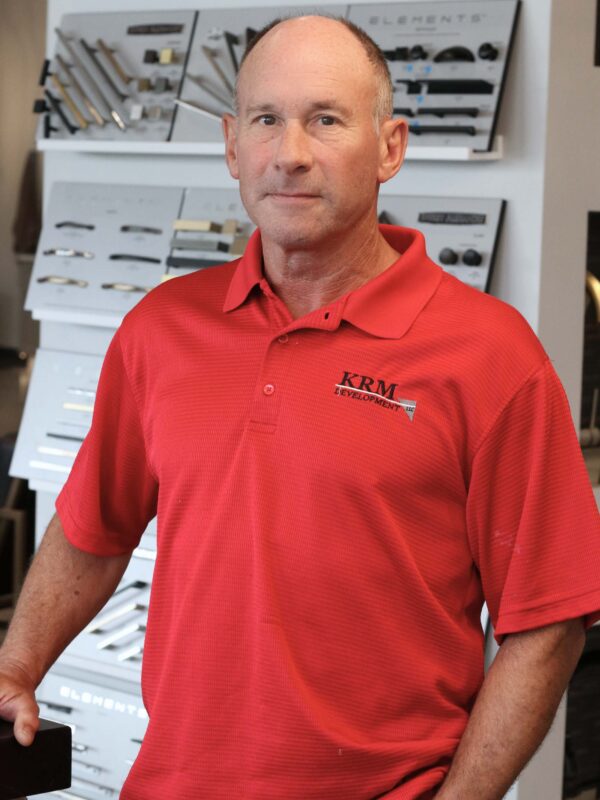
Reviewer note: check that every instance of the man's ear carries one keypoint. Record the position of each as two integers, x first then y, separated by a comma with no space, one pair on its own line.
229,123
393,138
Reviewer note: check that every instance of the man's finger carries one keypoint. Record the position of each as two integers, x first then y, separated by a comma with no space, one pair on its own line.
25,727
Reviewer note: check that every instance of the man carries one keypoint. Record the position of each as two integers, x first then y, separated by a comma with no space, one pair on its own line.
348,450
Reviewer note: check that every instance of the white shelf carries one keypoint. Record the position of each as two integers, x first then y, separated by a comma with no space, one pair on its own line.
76,317
413,153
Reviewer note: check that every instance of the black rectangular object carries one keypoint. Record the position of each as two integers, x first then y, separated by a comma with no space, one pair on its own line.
442,86
452,218
44,766
190,263
465,130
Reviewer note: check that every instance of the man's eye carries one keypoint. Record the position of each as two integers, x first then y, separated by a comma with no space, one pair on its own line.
326,120
267,119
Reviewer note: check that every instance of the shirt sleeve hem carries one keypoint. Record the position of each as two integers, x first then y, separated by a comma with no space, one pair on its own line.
586,606
76,536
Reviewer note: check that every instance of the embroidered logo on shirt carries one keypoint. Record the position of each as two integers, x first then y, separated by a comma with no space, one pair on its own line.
374,390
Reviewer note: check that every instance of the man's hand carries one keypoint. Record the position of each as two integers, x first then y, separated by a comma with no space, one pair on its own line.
17,701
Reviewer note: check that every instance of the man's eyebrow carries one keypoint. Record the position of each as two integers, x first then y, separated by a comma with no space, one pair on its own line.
317,105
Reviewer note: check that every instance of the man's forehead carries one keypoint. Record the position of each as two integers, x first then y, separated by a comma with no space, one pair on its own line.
317,42
328,61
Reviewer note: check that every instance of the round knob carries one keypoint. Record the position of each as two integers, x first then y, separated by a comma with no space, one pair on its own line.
417,53
448,256
472,258
488,52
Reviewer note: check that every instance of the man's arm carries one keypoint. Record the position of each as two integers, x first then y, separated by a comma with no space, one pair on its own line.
513,711
64,589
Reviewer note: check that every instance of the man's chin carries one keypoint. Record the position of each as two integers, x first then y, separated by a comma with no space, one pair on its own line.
291,235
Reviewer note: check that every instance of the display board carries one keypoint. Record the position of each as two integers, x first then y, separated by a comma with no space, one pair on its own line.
170,76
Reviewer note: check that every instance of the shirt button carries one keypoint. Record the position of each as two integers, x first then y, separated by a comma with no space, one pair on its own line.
283,338
268,388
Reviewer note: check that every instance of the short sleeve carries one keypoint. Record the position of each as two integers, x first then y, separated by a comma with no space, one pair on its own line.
111,493
532,518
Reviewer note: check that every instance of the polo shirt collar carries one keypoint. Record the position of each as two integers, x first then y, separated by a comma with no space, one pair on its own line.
385,306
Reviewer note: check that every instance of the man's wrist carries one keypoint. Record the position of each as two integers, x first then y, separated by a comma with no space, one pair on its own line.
17,665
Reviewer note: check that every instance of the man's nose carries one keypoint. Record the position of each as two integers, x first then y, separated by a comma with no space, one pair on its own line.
293,148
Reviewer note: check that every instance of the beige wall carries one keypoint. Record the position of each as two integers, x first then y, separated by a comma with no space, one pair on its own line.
22,47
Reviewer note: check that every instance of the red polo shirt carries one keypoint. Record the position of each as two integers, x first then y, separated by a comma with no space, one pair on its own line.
336,496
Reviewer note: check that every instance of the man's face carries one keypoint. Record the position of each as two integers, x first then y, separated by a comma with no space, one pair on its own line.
304,145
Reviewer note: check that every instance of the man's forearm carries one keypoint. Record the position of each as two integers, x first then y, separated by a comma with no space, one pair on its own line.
64,589
513,711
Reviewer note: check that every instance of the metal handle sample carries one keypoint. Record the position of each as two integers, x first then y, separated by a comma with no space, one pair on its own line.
109,641
197,225
69,224
131,652
205,245
202,82
130,257
60,280
86,408
139,229
465,130
212,59
65,436
95,114
100,67
192,106
125,287
97,625
71,105
232,40
110,57
68,252
55,106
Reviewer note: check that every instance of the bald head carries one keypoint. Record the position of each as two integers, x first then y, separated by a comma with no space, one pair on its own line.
323,36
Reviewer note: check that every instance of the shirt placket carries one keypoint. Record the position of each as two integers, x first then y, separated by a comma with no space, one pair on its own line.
284,336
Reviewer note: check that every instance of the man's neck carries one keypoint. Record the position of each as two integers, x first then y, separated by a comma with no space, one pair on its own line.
309,279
